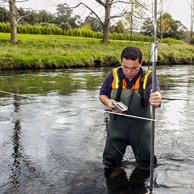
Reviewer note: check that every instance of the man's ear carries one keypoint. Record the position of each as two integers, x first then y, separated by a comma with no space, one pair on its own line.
141,63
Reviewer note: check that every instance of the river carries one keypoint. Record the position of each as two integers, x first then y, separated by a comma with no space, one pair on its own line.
53,132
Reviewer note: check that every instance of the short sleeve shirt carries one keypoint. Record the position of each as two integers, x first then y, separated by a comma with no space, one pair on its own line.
106,86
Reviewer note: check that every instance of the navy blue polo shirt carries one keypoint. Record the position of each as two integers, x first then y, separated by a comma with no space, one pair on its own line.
106,86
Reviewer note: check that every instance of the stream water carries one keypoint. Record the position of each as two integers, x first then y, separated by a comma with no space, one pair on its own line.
53,132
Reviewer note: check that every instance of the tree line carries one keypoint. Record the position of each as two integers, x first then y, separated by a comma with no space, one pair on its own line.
65,19
84,31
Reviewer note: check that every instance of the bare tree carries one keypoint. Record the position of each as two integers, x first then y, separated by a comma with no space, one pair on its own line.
161,13
133,15
13,23
192,16
13,19
107,5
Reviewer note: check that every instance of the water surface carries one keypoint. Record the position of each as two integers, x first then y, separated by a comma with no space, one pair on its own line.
52,134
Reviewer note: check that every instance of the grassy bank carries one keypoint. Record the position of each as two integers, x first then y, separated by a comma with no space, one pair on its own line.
57,51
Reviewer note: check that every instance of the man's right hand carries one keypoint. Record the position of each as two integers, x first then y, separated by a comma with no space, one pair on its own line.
106,101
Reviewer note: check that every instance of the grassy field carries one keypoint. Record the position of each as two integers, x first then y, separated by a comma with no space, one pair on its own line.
57,51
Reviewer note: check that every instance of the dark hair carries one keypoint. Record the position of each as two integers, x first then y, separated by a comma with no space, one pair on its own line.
131,53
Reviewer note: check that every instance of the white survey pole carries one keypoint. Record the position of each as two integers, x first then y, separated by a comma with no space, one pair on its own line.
153,53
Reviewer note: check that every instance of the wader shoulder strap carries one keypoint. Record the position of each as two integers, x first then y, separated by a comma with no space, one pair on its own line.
131,92
118,96
141,90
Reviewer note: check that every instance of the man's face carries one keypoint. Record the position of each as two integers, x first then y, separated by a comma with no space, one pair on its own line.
130,68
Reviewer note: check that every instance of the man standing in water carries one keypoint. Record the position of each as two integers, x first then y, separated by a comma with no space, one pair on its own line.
131,85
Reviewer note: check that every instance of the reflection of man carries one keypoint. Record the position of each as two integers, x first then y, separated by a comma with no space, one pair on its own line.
131,85
118,181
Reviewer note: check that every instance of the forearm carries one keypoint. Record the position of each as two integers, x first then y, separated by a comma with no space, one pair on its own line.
106,101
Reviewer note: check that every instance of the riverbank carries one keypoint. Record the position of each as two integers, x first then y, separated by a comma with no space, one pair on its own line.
57,51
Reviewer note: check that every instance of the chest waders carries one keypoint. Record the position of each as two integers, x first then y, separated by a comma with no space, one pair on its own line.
124,131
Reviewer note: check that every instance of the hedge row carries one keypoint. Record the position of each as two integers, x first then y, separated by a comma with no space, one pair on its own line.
5,27
50,30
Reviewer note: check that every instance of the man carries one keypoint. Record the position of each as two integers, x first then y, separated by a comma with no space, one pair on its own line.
131,85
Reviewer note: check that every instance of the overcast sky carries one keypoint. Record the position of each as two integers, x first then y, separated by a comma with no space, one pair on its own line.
179,9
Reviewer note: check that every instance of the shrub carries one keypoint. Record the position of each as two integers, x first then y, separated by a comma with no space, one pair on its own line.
49,30
79,32
170,41
27,29
31,30
75,32
24,30
41,30
52,29
70,32
191,41
19,28
8,29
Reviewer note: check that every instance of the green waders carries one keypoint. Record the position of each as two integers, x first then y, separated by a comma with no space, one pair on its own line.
124,131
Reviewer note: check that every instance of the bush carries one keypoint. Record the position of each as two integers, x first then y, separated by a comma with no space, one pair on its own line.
75,32
31,30
24,30
170,41
58,31
70,32
41,30
8,29
27,29
49,30
99,35
79,32
37,30
52,29
19,28
191,41
85,31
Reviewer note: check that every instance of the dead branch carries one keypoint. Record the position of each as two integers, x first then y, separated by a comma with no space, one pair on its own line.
22,17
90,10
22,1
101,3
125,2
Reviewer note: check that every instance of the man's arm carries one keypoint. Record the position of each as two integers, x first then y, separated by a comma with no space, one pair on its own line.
106,101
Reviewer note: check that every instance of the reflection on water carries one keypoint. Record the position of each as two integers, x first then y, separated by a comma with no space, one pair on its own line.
52,135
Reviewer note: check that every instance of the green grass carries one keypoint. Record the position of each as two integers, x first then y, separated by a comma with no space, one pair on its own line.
58,51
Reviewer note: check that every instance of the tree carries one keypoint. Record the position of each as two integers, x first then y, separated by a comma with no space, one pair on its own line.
64,14
147,27
94,23
4,15
13,18
65,26
107,5
119,28
191,41
133,15
164,24
13,22
177,30
169,27
86,27
192,16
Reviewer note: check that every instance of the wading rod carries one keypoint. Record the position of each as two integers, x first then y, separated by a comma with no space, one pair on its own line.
153,107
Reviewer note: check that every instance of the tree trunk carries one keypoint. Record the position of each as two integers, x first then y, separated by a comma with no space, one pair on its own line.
106,26
13,23
161,12
131,25
192,4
